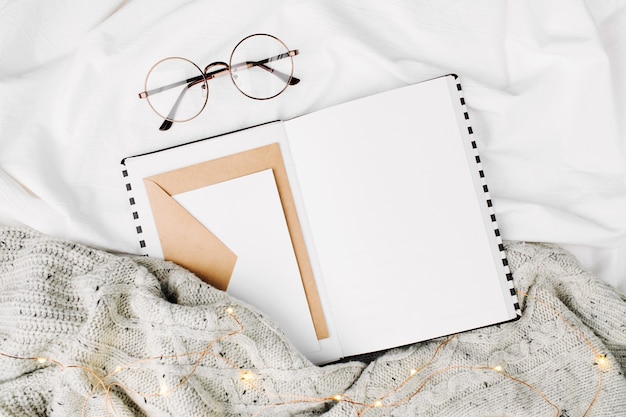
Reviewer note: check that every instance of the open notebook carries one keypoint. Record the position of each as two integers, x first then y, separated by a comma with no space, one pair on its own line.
356,228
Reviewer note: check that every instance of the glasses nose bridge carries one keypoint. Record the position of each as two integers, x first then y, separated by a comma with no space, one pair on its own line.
211,72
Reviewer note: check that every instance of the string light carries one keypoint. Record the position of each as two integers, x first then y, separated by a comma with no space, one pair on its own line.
600,360
247,376
164,390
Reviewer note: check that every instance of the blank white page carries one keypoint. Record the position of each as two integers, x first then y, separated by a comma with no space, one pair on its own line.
395,218
245,213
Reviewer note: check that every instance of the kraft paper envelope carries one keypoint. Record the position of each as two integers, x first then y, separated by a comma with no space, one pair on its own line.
186,241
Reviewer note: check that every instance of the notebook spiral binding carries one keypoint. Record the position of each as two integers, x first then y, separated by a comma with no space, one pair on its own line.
136,219
496,229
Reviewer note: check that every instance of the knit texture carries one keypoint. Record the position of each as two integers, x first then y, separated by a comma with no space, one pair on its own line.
135,336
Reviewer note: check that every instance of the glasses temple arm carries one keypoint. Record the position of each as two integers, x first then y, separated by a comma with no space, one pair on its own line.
249,64
285,77
190,82
167,123
261,64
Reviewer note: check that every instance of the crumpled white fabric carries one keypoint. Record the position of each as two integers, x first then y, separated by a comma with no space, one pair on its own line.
545,83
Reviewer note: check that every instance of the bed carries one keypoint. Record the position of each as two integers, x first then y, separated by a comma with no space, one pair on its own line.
546,87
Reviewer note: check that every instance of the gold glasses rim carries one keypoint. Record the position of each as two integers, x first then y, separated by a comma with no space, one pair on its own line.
291,53
146,92
226,68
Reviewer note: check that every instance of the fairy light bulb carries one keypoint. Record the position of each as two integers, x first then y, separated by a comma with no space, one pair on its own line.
338,397
602,361
378,404
164,389
42,360
247,376
498,368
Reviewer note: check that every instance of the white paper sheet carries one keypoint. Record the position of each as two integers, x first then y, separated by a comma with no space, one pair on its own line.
245,213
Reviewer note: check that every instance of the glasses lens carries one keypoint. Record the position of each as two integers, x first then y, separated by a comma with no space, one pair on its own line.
176,89
261,66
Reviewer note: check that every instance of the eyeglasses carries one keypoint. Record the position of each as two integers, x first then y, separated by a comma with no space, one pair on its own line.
260,66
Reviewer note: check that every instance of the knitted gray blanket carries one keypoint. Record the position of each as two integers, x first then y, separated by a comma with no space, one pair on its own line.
88,333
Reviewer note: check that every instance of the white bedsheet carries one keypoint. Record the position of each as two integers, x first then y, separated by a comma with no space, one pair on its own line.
545,83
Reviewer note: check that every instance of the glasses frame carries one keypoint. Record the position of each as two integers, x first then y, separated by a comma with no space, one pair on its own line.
219,69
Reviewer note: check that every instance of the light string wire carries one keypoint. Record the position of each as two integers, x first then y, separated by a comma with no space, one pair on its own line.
100,381
278,400
600,360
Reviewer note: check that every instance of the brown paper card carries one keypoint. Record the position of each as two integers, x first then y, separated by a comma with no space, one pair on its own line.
174,242
187,242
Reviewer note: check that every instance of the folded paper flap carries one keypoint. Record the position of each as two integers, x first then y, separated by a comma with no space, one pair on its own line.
238,165
187,242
